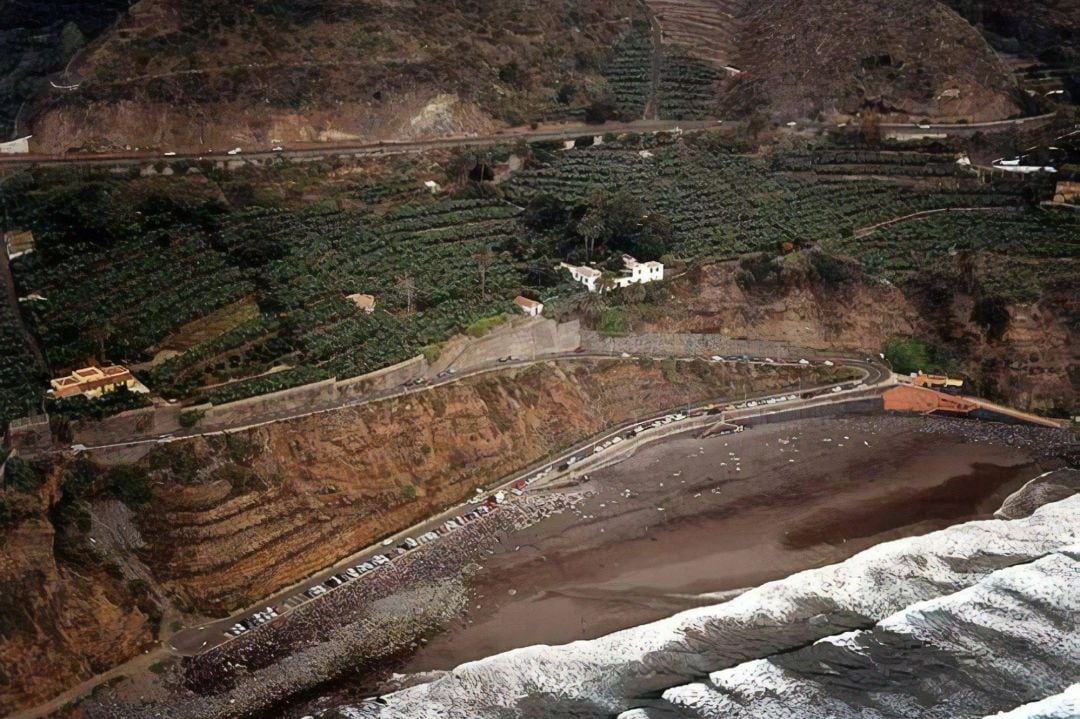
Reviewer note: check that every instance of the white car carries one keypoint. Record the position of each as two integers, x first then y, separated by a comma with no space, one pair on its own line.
170,154
234,151
804,362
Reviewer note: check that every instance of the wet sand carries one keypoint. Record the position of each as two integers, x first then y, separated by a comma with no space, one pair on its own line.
686,522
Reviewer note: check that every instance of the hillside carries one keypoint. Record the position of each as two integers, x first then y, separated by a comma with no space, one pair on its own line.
223,522
270,255
904,61
37,39
205,74
201,75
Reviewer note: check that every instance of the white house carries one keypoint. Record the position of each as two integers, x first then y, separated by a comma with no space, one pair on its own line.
640,272
587,276
635,273
531,308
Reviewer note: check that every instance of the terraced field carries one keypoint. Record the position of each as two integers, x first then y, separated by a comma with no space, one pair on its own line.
720,204
707,28
689,87
21,375
436,265
329,255
1017,255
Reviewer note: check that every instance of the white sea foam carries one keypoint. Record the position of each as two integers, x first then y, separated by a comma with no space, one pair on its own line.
1065,705
606,675
1012,633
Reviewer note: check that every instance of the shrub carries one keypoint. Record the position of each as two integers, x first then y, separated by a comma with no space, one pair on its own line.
670,369
909,355
131,485
485,324
190,419
408,491
613,323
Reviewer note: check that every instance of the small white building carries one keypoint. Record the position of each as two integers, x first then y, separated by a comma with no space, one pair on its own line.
640,272
588,276
635,273
530,308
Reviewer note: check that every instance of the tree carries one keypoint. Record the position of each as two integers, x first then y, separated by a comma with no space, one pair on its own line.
407,285
483,260
870,127
618,222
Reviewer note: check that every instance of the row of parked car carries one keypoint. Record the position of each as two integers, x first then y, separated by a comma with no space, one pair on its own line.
486,506
256,619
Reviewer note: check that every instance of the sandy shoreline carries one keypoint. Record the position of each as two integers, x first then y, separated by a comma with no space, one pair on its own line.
686,521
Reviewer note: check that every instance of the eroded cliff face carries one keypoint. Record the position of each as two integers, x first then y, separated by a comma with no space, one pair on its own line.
1032,365
62,620
315,489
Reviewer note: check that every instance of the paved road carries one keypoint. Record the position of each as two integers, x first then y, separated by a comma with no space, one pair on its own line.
204,637
301,151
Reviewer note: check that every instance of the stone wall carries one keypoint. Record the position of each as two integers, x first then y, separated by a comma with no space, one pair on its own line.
30,434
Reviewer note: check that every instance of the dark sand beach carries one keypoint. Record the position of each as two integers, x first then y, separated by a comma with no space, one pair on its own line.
688,522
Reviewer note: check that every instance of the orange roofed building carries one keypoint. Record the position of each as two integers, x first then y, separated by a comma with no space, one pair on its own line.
532,308
96,381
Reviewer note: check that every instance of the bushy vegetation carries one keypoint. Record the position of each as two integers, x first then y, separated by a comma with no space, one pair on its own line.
907,355
1014,255
21,375
125,263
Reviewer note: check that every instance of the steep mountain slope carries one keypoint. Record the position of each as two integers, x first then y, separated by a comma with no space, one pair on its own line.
65,615
208,74
902,60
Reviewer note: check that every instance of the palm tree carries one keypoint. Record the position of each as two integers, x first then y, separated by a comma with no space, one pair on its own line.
483,259
407,284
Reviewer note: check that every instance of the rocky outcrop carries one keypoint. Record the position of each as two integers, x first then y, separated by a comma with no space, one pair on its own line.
62,620
1028,367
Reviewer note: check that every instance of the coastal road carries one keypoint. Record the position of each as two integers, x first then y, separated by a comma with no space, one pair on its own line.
563,131
204,637
320,150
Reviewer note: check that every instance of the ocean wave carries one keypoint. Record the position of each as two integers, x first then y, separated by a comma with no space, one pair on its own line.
628,670
1009,639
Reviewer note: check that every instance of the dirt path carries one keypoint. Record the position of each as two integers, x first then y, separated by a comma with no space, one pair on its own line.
656,32
139,665
864,231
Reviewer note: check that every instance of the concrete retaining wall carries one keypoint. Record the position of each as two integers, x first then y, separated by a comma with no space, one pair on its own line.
284,401
384,379
159,419
686,344
522,338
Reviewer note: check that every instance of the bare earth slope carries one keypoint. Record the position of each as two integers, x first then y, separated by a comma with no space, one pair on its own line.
903,60
329,485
